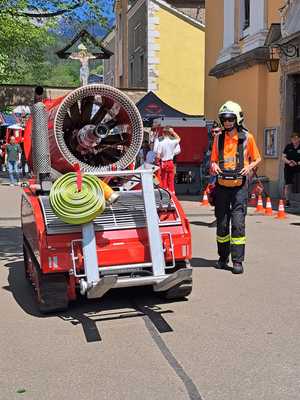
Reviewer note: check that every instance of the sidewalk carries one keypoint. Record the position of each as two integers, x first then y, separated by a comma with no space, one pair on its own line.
188,200
195,200
4,179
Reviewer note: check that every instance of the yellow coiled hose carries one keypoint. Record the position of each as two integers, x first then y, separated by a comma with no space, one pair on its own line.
78,207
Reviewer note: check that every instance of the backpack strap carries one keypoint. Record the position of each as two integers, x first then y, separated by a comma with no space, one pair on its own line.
242,136
240,150
221,139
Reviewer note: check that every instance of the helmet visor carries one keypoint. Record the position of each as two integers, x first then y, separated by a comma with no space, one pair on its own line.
230,117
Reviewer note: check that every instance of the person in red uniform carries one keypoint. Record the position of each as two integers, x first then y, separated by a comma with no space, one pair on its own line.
234,155
166,150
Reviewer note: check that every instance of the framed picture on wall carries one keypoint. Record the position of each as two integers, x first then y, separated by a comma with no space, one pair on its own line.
271,143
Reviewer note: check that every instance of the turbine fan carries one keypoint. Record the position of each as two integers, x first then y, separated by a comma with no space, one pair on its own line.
100,127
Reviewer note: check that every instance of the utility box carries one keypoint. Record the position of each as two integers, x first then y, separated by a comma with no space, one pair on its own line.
194,142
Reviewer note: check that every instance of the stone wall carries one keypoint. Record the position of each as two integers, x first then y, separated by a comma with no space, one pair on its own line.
14,95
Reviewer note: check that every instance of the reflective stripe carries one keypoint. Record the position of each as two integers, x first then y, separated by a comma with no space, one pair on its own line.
246,141
229,159
223,239
234,160
238,241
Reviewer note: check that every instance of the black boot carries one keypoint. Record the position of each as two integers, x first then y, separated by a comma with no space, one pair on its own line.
237,268
221,264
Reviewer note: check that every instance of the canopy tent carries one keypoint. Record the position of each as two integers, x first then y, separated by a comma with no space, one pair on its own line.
152,107
7,119
15,127
21,110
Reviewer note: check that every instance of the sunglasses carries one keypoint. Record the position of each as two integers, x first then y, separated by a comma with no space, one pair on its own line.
229,119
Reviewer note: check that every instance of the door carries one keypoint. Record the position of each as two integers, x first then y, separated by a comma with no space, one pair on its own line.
296,124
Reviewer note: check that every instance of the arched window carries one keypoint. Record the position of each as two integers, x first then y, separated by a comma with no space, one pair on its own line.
253,23
245,14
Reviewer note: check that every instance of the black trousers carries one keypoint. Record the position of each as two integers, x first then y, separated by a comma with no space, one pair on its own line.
231,207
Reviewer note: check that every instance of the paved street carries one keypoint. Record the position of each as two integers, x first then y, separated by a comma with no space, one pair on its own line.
237,338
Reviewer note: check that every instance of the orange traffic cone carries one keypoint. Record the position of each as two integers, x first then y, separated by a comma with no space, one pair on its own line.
281,212
260,207
204,200
268,210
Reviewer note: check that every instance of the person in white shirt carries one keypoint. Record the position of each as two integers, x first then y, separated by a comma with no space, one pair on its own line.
166,150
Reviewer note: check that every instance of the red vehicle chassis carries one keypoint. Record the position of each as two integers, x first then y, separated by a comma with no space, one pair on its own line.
49,254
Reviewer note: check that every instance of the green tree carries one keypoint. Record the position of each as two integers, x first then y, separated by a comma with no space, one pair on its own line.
25,37
65,73
21,47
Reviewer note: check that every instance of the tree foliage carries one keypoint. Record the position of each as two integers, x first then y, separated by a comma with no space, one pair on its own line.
27,34
21,46
91,10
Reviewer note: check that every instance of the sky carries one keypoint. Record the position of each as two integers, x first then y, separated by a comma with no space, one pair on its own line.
80,13
108,12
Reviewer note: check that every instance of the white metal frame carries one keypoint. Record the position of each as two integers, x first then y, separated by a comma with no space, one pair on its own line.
95,286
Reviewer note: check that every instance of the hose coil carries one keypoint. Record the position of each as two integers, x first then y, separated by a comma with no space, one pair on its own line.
73,206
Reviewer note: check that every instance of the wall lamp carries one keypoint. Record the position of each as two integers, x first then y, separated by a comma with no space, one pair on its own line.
272,62
289,50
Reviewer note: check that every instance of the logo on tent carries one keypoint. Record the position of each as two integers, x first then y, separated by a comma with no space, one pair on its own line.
153,108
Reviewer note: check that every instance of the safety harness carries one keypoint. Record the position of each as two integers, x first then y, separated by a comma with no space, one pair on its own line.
232,178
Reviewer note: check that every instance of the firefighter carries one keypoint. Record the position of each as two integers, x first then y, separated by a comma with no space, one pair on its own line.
234,155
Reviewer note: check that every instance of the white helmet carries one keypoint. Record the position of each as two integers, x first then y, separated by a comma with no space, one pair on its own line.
231,109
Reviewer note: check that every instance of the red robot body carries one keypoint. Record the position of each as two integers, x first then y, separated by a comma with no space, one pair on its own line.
143,238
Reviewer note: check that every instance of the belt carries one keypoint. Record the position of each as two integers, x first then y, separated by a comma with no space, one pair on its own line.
167,160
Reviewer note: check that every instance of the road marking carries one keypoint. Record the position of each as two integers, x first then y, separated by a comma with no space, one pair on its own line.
191,388
174,364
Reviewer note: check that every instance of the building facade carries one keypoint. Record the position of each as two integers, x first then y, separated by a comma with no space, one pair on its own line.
137,45
109,64
238,47
289,51
159,47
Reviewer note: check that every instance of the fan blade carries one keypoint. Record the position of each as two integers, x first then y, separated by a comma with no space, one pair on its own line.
110,154
112,113
112,139
122,129
75,115
111,124
98,117
86,109
68,124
